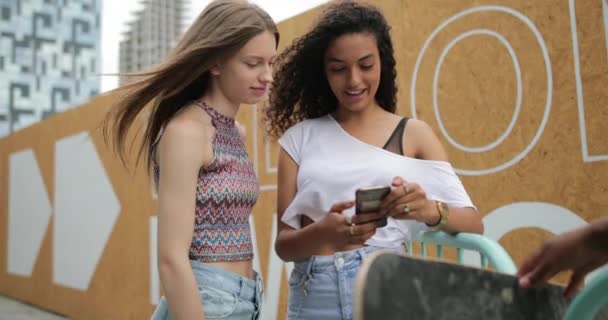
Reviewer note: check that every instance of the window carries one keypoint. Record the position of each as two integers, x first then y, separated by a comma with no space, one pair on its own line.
5,13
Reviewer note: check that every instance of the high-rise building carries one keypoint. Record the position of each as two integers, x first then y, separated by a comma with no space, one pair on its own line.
150,36
49,58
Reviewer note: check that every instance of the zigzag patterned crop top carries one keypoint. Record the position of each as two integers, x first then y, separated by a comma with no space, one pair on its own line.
226,191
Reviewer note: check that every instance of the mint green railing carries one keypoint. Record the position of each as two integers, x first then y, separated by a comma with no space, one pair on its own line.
488,249
589,301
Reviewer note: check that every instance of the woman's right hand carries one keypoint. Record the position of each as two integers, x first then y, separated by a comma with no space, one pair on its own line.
340,232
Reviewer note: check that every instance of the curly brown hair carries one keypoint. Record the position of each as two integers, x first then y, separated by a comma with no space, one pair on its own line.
300,89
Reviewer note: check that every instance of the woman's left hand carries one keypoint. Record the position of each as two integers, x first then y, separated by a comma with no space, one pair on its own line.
407,200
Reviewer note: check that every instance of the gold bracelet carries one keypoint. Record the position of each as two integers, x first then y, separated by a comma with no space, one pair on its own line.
438,213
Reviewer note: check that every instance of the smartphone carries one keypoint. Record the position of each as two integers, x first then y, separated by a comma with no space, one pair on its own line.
369,199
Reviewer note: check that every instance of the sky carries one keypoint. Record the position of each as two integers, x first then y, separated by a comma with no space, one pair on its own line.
116,13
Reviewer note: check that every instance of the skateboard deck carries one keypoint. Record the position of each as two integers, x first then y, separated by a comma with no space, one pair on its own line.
393,286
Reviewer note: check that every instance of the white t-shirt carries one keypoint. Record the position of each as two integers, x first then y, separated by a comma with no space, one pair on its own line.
333,165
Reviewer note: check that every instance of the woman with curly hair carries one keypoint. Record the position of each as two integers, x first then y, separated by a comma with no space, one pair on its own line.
333,104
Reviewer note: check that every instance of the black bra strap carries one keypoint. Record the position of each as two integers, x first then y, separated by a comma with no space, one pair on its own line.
395,142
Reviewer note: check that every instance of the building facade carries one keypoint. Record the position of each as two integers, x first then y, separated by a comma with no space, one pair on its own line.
150,36
49,58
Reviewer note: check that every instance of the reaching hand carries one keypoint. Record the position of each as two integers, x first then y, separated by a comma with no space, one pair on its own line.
570,251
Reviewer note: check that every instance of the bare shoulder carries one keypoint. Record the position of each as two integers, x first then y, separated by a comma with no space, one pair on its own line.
187,129
424,140
418,127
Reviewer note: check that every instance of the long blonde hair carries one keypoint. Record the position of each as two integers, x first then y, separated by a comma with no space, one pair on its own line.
223,28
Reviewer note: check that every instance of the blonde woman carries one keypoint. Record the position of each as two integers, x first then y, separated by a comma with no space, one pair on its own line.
206,182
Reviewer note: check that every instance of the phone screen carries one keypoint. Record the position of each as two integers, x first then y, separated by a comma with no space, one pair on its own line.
369,199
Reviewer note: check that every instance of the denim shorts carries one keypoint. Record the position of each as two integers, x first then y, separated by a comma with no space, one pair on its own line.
321,287
224,295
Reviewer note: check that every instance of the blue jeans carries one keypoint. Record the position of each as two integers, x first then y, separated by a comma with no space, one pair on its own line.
224,295
321,287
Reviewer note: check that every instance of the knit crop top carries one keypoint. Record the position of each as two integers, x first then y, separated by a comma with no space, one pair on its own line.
226,191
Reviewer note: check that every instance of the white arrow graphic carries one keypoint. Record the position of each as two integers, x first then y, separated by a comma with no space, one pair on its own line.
86,209
29,212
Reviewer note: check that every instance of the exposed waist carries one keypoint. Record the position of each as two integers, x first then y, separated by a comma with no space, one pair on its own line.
330,251
342,259
223,276
243,268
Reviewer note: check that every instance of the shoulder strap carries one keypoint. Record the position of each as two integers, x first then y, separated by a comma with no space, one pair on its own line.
395,142
215,115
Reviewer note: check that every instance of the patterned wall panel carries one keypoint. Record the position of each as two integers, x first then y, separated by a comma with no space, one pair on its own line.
49,58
